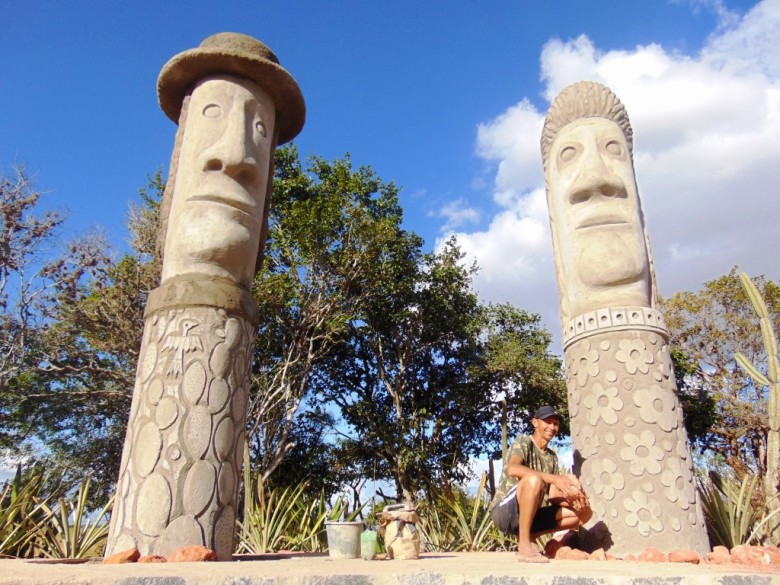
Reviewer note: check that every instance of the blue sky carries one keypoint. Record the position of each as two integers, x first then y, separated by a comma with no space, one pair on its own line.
444,98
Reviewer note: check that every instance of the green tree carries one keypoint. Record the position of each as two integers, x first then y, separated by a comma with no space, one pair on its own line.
419,375
328,225
70,405
517,366
710,326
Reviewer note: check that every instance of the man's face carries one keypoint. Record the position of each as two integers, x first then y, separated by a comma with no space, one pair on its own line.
597,224
546,427
219,196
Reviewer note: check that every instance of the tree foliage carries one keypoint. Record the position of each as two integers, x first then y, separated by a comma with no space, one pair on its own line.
419,375
68,398
728,410
329,224
373,357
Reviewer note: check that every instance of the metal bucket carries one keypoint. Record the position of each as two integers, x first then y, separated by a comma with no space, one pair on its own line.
344,539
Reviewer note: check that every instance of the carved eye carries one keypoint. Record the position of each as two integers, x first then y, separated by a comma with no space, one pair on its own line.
567,154
212,111
614,147
260,127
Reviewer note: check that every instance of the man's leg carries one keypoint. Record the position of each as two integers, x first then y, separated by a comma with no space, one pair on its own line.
529,490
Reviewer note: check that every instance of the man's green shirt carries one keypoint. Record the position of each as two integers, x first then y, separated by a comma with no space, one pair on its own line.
531,456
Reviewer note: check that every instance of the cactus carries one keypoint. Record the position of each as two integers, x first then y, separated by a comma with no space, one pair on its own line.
772,381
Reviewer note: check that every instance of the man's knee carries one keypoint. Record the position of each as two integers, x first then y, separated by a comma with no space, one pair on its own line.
530,483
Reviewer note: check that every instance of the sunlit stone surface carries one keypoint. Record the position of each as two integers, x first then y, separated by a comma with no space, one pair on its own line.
631,448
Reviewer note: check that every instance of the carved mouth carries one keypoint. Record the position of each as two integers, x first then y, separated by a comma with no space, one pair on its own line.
227,201
594,223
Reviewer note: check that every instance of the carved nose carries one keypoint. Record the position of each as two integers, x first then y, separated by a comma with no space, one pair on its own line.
233,153
595,178
243,170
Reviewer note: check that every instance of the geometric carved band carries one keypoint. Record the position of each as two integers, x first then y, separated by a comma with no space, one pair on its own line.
614,319
210,291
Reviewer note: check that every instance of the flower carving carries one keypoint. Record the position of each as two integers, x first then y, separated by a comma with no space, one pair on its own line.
633,353
683,451
574,400
585,365
641,453
588,442
602,403
657,406
606,478
663,369
643,513
677,483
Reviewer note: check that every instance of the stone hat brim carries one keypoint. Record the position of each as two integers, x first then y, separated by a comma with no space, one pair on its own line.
180,75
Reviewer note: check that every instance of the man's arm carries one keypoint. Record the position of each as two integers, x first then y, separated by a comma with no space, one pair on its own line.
563,488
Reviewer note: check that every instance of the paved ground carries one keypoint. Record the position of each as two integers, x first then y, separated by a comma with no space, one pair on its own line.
497,568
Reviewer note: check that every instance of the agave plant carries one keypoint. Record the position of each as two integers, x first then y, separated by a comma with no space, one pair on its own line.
288,519
267,527
473,531
454,522
435,530
731,511
307,530
68,531
21,513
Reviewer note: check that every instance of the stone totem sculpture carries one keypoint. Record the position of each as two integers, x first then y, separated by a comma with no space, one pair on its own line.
631,448
180,470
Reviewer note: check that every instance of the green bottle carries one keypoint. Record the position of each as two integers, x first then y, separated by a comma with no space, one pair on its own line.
368,544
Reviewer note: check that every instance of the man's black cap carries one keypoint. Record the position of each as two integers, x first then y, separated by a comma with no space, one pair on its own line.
547,411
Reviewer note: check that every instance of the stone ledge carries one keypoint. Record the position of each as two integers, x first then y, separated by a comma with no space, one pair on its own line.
498,568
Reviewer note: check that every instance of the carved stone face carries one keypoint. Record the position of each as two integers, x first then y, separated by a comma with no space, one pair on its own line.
597,223
219,196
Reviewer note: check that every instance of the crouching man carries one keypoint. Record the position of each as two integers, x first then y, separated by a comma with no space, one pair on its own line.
534,497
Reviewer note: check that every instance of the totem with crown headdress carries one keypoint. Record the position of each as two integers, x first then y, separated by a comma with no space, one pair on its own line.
630,446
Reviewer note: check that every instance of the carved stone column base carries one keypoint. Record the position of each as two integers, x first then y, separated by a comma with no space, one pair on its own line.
631,448
181,463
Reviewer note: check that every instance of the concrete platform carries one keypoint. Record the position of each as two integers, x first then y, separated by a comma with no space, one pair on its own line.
496,568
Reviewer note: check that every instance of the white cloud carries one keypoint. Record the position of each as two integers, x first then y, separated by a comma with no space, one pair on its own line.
752,45
505,140
707,158
457,214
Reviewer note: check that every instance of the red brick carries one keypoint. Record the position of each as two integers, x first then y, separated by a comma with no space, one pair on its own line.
598,555
720,555
652,555
750,555
192,553
152,559
684,555
577,555
130,555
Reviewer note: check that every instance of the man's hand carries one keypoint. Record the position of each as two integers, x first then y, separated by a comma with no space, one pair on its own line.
568,488
580,502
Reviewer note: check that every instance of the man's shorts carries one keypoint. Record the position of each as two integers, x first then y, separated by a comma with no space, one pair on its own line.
506,515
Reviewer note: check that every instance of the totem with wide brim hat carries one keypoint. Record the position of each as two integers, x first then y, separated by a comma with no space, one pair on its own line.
240,55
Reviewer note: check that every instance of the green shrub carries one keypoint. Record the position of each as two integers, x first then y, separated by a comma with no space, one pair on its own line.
68,532
735,513
454,521
21,513
289,519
